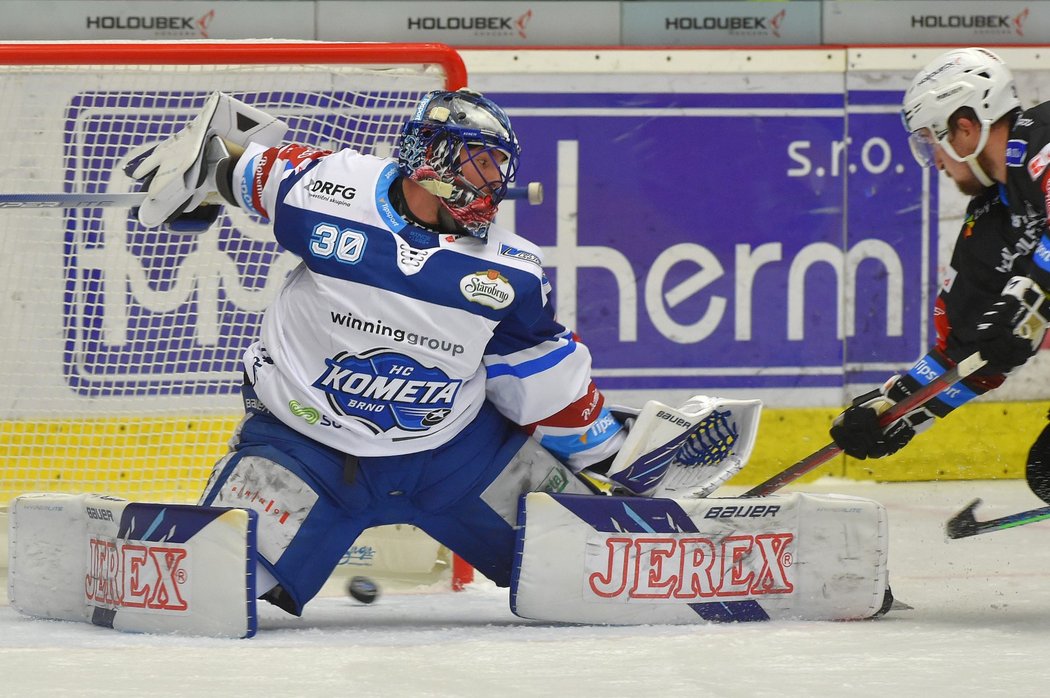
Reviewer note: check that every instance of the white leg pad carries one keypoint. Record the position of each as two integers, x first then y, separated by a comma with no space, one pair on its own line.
627,560
132,566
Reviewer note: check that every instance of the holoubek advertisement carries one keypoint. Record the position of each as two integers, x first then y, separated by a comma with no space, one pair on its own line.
962,22
713,241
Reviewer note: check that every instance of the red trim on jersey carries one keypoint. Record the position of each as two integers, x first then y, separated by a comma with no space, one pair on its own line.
293,154
1046,192
260,176
579,414
299,154
941,324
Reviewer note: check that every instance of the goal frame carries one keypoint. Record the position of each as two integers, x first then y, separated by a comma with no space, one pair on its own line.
242,53
247,53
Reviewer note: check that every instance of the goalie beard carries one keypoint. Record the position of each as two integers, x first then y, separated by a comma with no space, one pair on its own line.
478,211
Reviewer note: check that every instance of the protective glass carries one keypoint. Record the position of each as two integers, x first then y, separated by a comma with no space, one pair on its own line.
923,145
921,142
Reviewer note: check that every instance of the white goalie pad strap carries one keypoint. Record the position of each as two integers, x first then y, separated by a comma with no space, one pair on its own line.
532,469
626,560
689,450
131,566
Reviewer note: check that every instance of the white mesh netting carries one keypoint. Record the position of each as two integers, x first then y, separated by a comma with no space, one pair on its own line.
120,346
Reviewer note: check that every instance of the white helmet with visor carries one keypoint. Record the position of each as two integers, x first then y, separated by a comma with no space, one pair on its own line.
969,77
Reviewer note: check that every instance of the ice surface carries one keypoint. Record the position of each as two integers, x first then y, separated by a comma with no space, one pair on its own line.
980,627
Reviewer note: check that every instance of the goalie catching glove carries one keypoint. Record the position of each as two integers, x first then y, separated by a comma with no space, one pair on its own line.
179,174
686,451
857,432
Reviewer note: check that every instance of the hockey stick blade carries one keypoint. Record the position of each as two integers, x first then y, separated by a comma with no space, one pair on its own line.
916,399
965,524
533,193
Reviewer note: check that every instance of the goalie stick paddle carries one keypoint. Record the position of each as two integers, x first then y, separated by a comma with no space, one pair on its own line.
965,524
533,193
916,399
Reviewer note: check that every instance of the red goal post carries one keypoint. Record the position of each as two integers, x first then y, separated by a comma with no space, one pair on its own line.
144,53
120,347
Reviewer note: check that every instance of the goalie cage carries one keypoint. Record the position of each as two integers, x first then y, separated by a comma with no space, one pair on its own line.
121,347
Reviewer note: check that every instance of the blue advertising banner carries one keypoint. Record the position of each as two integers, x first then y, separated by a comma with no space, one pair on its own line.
891,217
698,241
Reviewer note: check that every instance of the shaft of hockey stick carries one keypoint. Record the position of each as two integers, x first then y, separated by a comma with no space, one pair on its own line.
533,193
965,524
127,200
916,399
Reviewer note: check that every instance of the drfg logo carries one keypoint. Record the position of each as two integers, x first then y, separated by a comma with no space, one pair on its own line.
685,568
136,574
333,189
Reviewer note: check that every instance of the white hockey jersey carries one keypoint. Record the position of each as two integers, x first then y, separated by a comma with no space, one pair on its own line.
387,338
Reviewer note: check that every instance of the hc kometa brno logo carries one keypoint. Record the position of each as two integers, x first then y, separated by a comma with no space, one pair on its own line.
386,390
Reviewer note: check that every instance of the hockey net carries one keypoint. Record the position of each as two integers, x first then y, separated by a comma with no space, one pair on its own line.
120,364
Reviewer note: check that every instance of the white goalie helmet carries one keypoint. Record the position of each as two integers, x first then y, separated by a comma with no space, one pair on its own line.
968,77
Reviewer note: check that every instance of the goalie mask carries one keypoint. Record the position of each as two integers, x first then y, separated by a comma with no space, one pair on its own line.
450,133
969,77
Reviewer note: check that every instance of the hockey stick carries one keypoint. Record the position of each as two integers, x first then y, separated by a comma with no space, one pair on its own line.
965,524
916,399
533,193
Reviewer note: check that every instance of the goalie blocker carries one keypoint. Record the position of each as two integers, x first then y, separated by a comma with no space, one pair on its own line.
131,566
627,560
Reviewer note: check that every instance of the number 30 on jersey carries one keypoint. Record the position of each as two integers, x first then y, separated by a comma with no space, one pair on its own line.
346,246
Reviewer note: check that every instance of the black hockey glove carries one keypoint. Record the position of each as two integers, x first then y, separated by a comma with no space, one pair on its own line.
997,337
1012,328
857,432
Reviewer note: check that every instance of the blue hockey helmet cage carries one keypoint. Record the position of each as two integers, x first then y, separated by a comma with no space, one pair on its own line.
430,151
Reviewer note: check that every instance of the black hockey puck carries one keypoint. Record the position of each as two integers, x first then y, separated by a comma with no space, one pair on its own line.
362,589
